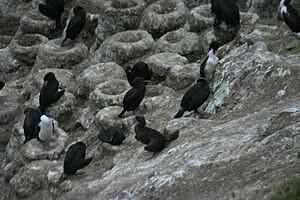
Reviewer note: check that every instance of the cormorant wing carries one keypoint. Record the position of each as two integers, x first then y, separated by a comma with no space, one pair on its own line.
56,96
106,136
187,97
48,90
292,19
83,163
75,26
202,67
131,94
155,145
73,155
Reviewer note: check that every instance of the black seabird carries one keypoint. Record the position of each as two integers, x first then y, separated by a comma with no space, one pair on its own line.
49,92
113,136
135,95
76,24
74,160
207,67
139,69
194,97
290,15
30,125
226,13
53,9
154,140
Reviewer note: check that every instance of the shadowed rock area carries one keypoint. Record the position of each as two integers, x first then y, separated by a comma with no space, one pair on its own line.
242,145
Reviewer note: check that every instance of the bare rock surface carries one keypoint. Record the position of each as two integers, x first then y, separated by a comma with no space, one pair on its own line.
95,74
181,42
200,18
35,23
163,16
117,15
124,46
109,93
243,144
161,63
26,47
52,55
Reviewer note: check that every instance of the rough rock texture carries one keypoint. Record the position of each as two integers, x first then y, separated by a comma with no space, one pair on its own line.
247,144
163,16
161,63
182,76
52,55
36,23
9,24
200,18
26,47
124,46
9,104
118,15
109,93
8,63
96,74
181,42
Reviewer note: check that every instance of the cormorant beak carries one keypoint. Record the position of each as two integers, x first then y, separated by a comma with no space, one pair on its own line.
146,82
62,178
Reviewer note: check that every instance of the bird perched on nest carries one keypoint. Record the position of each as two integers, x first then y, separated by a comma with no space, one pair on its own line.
74,160
49,93
135,95
76,24
139,69
227,14
53,9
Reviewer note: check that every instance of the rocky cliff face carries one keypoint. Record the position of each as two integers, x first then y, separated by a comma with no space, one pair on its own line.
247,143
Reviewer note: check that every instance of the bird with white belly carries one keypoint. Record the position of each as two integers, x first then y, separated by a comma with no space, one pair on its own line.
46,129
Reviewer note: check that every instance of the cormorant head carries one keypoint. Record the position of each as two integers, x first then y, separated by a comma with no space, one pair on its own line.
32,110
139,81
141,119
140,64
77,10
49,76
128,69
81,143
201,79
62,178
45,120
214,45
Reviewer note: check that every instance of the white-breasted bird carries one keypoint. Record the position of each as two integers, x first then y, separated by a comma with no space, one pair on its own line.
207,67
46,126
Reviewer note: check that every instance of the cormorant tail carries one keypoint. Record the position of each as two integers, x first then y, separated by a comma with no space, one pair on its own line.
123,111
42,109
179,113
57,96
63,41
84,163
172,136
62,178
